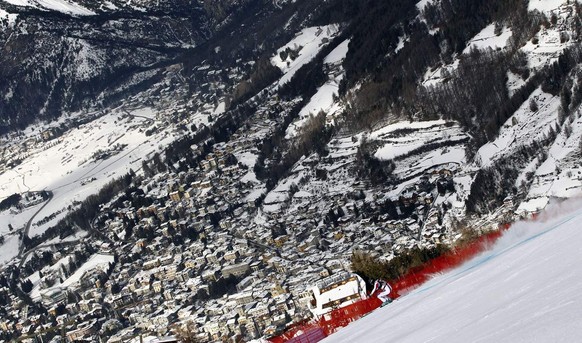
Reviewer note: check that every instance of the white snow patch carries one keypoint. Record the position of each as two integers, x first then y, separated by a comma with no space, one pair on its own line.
323,100
62,6
533,205
514,82
523,127
422,4
488,39
338,54
544,5
401,41
406,125
10,17
9,249
307,44
220,109
390,151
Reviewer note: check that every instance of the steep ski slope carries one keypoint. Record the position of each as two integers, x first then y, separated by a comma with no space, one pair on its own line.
525,289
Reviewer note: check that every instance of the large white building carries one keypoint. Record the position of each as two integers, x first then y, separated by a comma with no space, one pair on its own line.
336,291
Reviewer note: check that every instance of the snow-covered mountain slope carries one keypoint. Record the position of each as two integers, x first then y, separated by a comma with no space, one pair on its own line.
62,55
302,49
54,5
525,289
56,63
316,130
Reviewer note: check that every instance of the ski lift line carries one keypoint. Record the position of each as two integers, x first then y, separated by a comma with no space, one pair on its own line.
492,256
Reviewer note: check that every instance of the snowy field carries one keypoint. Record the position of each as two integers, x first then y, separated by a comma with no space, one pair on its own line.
323,100
525,289
69,166
100,261
9,249
10,17
16,218
488,39
306,45
524,127
544,5
404,141
64,6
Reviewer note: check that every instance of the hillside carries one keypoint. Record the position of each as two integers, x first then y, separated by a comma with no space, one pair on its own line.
523,289
221,157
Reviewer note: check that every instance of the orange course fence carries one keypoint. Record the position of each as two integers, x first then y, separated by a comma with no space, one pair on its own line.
315,331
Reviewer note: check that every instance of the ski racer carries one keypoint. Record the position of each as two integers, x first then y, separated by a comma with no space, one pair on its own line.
383,289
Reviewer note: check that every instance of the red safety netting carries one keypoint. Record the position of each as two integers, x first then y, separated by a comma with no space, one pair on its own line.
304,332
450,260
329,323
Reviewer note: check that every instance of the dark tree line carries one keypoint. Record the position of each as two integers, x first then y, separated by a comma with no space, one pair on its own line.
391,86
262,75
371,268
10,201
278,155
392,79
369,167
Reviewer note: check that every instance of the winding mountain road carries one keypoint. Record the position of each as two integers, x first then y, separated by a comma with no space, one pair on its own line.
29,223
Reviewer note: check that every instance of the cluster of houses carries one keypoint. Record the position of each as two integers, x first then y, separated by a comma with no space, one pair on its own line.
200,252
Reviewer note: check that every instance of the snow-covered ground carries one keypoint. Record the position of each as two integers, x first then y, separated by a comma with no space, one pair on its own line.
64,6
404,140
422,4
525,289
10,17
560,175
100,261
16,218
544,5
306,45
488,39
67,165
524,127
9,249
323,100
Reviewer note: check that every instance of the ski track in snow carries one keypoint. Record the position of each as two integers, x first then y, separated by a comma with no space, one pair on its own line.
491,255
527,294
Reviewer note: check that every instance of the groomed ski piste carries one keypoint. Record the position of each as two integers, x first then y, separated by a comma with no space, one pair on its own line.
525,288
